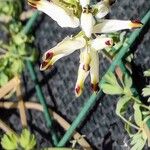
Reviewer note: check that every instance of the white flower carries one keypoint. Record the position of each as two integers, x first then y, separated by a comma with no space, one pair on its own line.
91,22
89,60
87,22
64,48
85,15
63,17
108,26
84,3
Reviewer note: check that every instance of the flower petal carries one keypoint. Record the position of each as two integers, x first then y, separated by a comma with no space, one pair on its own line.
85,59
66,47
82,75
110,2
101,42
87,23
84,3
63,18
108,26
103,9
48,64
94,70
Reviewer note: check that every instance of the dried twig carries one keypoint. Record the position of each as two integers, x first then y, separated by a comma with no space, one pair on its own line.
6,128
11,85
63,123
21,106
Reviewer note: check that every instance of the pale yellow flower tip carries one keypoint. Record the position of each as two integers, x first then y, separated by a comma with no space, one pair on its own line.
135,24
45,65
33,3
110,2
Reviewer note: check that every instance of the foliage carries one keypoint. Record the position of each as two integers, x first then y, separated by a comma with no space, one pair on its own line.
11,8
141,113
25,141
146,90
16,47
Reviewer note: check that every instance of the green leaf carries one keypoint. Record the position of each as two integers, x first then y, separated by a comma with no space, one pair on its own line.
9,142
3,78
111,79
146,118
137,114
3,63
146,91
27,140
139,144
121,104
135,138
17,66
146,112
19,39
111,85
127,81
147,73
111,89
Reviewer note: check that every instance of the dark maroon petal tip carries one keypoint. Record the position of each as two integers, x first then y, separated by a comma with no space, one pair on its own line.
95,87
77,89
49,55
136,21
86,67
108,43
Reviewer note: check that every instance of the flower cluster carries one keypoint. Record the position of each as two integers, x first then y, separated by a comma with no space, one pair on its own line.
75,13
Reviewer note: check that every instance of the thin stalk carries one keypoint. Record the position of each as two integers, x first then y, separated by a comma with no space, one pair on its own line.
92,100
39,92
138,101
42,100
129,123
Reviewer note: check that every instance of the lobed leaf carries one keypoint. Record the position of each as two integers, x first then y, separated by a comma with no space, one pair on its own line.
127,81
137,114
121,104
146,91
147,73
111,89
9,142
27,140
3,78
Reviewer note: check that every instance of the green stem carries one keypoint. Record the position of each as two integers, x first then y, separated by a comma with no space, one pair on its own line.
129,123
42,100
39,92
92,100
139,102
30,23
